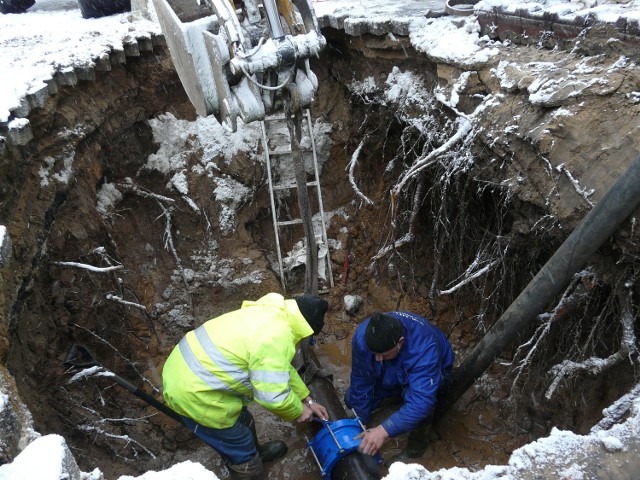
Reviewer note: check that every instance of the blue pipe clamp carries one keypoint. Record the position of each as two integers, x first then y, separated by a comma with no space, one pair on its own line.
334,442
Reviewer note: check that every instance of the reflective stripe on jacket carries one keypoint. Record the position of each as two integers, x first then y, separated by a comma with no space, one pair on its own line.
423,363
237,357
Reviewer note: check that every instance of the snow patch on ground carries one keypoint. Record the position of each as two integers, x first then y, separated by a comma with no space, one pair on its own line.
179,136
108,197
46,458
47,172
184,471
450,39
55,36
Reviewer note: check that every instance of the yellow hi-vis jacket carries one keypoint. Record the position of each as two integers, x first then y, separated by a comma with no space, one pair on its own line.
237,357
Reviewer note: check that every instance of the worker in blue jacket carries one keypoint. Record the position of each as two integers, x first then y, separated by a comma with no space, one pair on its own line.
397,354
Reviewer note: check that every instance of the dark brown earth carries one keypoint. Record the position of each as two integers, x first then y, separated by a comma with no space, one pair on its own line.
459,212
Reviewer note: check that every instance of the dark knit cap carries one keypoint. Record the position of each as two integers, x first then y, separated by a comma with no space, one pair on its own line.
383,332
313,309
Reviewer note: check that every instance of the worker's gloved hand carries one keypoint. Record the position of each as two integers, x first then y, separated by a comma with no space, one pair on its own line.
372,440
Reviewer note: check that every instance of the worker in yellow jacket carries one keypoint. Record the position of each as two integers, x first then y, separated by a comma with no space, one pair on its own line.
244,355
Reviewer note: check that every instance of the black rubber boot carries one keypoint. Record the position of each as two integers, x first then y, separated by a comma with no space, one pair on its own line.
268,451
416,444
273,450
251,470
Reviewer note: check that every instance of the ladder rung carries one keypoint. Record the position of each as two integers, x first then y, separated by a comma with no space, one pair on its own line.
287,151
286,186
295,221
275,118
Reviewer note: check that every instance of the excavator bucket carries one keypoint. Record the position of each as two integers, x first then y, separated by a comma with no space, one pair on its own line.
182,23
238,59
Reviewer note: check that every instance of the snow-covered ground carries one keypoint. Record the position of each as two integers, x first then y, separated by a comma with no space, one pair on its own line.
562,455
53,35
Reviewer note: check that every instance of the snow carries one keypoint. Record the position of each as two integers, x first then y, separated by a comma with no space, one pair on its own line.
605,10
184,471
53,36
444,40
108,197
43,459
612,444
177,138
230,193
173,134
5,246
62,176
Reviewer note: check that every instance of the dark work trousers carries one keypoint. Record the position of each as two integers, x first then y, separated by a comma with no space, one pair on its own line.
234,444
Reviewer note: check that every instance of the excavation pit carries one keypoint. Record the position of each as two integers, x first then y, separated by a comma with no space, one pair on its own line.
122,175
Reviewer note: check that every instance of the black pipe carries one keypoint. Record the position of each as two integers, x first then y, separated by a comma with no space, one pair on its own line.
80,357
601,222
353,466
148,398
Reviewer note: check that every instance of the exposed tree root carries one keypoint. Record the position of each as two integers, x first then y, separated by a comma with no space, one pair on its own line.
573,297
167,213
464,129
628,350
168,244
616,412
126,303
101,429
352,166
469,275
90,268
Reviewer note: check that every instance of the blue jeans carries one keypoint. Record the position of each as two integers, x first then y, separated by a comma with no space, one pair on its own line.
234,444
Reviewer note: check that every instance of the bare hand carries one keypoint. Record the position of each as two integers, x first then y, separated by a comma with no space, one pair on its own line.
372,440
306,415
319,411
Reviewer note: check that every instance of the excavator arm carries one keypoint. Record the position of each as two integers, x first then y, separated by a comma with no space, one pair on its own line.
244,59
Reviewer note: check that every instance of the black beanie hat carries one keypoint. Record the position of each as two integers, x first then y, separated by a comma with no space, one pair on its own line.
383,332
313,309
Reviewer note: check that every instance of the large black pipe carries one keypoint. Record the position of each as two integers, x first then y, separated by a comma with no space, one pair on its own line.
602,221
354,466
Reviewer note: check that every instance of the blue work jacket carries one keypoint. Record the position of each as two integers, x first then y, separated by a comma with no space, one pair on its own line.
423,363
